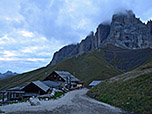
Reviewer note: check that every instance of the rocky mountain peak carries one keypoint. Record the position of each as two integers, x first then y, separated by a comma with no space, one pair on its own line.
8,72
125,31
149,25
123,18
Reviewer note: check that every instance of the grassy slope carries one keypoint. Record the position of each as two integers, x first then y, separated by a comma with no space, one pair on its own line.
126,59
86,67
131,91
23,78
89,66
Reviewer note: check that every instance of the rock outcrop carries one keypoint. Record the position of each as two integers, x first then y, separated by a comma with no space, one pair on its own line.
129,32
74,49
125,31
149,25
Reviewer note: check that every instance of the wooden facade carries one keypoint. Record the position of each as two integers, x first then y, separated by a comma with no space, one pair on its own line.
34,89
68,80
11,95
15,95
54,77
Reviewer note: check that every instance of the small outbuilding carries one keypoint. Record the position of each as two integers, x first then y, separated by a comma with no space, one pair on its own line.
93,83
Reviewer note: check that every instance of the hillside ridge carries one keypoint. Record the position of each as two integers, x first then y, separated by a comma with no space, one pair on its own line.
89,66
130,91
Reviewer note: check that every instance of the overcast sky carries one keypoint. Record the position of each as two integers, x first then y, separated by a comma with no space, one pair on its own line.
32,30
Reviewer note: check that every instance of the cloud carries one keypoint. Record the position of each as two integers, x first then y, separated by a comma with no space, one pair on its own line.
26,33
8,59
22,47
31,31
9,53
65,20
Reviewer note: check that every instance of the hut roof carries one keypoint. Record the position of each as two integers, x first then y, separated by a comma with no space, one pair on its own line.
64,75
51,83
93,83
18,88
41,85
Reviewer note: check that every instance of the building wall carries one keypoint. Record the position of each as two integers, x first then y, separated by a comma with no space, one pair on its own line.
54,77
32,88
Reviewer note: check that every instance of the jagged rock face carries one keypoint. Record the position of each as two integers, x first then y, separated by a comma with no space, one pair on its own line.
101,34
87,44
125,31
129,32
64,53
73,50
149,25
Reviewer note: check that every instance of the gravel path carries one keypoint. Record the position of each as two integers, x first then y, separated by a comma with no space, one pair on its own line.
74,102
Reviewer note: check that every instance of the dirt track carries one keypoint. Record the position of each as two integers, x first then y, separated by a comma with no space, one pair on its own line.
74,102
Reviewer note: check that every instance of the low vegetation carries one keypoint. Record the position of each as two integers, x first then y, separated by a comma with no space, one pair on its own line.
130,91
2,111
58,95
126,59
89,66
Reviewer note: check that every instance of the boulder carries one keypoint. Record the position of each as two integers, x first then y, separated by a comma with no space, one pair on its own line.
34,101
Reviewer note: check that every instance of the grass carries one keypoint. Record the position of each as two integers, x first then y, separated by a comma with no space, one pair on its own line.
58,95
133,93
87,67
2,111
125,59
